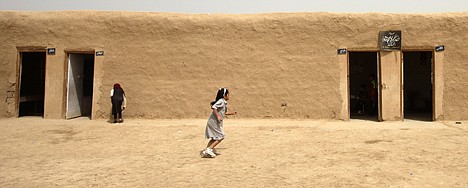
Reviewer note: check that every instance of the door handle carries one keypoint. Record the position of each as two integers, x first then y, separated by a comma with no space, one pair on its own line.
383,86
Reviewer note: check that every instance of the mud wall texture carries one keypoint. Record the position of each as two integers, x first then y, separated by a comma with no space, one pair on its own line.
280,65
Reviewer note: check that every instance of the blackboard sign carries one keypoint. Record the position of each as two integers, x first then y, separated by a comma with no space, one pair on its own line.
341,51
390,40
51,51
100,53
439,48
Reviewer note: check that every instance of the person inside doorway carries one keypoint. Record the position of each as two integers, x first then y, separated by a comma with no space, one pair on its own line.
361,99
372,95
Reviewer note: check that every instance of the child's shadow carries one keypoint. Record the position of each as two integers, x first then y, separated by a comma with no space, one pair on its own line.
217,151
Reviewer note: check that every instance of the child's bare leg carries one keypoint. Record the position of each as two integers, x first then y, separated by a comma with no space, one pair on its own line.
209,143
213,144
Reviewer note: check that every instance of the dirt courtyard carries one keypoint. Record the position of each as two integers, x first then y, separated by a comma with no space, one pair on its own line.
36,152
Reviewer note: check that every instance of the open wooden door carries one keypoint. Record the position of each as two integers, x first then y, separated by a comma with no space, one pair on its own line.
74,85
379,89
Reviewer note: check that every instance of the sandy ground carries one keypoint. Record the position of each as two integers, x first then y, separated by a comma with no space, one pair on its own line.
39,152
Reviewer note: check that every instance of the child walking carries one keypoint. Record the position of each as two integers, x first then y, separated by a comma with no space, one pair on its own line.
214,127
118,102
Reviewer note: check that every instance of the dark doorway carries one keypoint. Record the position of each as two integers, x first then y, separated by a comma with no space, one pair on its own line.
363,85
417,83
31,83
80,85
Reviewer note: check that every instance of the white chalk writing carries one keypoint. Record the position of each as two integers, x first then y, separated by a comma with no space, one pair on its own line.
341,51
440,48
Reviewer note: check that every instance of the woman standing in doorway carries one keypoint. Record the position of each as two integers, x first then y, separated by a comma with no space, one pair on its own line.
118,102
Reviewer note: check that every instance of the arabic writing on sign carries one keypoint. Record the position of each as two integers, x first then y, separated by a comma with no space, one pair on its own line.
391,40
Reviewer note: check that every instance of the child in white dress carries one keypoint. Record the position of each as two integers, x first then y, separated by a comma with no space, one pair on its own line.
214,127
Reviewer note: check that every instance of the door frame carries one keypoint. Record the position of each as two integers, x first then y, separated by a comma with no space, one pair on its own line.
19,63
65,79
433,80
